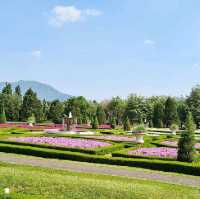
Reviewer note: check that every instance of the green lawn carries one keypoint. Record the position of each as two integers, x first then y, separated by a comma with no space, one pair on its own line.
33,182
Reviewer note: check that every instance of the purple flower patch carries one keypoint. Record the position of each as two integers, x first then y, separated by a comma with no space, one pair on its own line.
161,152
114,138
175,144
63,142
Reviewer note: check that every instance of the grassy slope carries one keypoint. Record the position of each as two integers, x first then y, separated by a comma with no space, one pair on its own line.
33,182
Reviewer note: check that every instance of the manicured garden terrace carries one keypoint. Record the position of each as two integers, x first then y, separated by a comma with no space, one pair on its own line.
115,154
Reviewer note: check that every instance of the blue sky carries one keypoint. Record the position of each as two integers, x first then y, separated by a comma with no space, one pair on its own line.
102,48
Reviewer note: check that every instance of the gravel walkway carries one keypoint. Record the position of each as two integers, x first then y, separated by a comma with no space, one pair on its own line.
101,169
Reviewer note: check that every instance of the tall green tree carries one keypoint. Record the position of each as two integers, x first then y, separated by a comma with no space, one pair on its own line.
18,91
170,112
45,109
158,115
79,107
56,111
116,108
92,110
9,102
31,106
182,109
101,116
193,102
16,103
135,109
2,112
186,145
7,89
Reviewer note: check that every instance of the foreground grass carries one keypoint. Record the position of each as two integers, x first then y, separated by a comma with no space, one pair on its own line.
38,183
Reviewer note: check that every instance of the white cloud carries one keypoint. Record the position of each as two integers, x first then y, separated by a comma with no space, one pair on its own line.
70,14
92,12
196,65
36,54
149,42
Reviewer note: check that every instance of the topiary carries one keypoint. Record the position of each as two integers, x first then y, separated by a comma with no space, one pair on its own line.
186,144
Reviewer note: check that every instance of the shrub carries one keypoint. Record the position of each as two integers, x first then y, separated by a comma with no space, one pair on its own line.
140,128
186,144
174,127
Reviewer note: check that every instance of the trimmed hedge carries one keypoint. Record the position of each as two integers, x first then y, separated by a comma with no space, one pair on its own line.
169,166
97,151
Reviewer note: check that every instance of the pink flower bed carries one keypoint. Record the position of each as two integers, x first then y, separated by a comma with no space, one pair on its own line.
114,138
76,127
161,152
63,142
175,144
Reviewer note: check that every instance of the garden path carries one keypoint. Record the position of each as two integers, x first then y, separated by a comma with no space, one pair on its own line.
101,169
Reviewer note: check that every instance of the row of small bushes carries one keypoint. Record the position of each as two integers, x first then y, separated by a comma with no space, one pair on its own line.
13,130
97,151
169,166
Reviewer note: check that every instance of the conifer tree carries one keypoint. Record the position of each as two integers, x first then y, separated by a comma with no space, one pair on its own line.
186,145
18,91
31,105
7,89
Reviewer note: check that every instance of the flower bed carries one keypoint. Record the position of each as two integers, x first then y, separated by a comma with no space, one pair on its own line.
175,144
40,127
114,138
63,142
160,152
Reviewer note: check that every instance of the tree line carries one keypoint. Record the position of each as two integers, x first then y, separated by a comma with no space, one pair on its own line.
154,111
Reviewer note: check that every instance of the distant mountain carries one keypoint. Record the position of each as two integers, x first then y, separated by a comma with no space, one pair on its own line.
43,91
